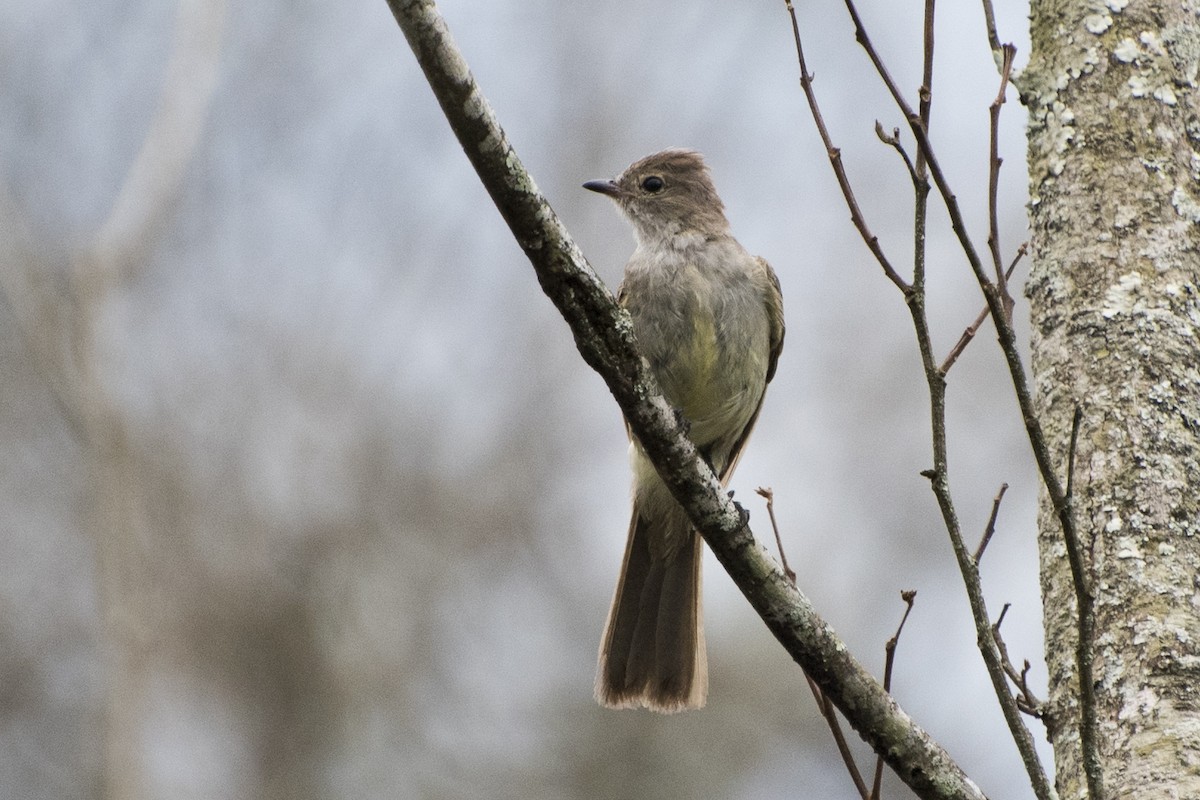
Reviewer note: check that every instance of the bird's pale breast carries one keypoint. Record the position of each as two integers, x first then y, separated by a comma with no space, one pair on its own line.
706,338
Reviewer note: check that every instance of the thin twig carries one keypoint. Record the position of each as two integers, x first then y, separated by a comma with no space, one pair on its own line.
893,140
1026,700
969,333
889,649
994,162
1076,419
1087,628
991,523
925,93
765,492
918,127
908,596
915,297
916,302
1005,333
839,170
1029,702
835,729
920,173
989,16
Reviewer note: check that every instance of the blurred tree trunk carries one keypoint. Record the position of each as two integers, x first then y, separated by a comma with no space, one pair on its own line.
131,554
62,327
124,555
1115,207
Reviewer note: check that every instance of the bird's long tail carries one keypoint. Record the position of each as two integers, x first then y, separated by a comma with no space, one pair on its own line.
652,654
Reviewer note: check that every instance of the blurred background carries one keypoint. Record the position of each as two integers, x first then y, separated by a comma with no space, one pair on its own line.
304,490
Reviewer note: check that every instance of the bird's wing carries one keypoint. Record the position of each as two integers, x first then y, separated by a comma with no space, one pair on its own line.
776,330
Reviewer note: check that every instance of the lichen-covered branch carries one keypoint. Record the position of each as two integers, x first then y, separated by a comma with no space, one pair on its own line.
604,338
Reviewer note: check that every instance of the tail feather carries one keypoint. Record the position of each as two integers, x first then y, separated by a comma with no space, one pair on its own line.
652,654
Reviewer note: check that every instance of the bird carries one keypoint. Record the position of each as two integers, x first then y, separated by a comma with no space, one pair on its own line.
708,320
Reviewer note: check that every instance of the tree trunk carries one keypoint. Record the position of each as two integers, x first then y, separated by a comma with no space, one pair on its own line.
1115,209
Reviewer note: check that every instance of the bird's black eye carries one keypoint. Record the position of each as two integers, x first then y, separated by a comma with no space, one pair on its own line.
653,184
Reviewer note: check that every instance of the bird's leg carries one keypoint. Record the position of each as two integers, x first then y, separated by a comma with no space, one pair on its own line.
682,421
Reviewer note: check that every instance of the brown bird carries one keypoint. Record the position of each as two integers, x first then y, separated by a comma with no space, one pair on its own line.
708,318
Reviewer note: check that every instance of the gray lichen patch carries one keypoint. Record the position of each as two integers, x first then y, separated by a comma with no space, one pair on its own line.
1097,23
1185,205
1157,70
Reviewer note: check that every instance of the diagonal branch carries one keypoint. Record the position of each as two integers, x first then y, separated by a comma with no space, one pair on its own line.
145,198
839,169
990,529
604,337
973,328
57,321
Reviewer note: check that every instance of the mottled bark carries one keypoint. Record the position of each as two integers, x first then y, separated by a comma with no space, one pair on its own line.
1114,167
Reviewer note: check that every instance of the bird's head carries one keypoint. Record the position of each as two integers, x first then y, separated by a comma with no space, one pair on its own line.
667,194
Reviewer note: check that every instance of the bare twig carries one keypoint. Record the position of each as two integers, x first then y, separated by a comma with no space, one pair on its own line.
1087,627
1005,333
973,328
1076,419
889,649
835,729
893,140
839,170
57,322
991,523
919,128
909,596
994,162
916,300
989,16
152,184
987,647
1026,700
769,495
925,93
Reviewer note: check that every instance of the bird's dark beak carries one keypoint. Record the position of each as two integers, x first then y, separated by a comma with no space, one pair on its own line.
603,187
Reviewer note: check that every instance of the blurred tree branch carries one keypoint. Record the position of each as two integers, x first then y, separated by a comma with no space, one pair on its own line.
59,324
43,311
604,337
